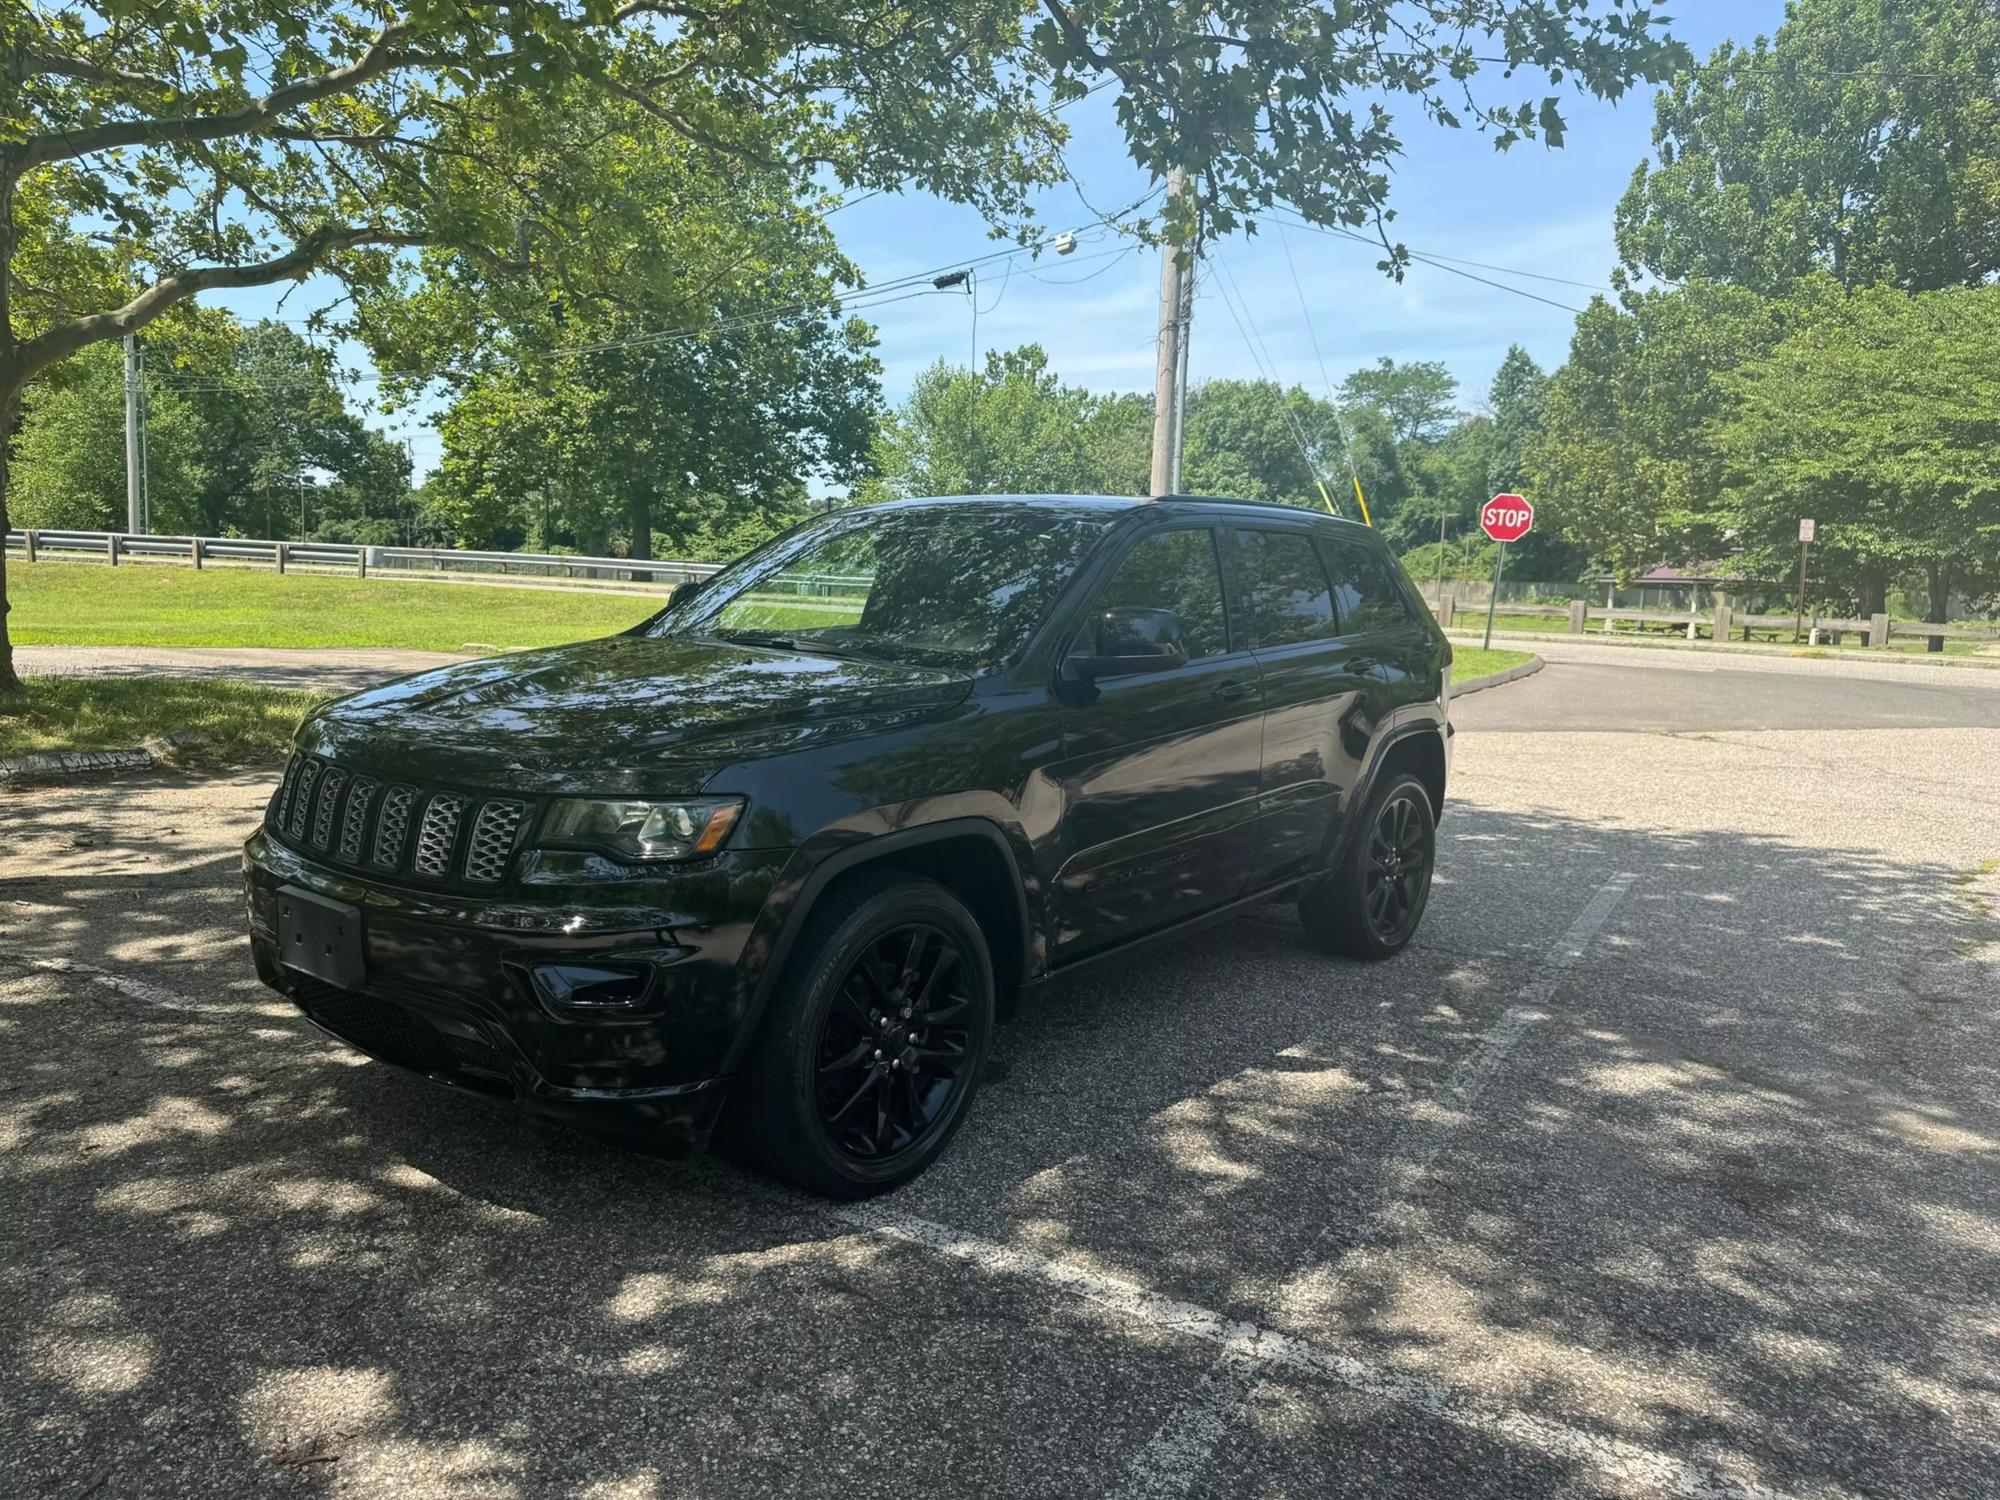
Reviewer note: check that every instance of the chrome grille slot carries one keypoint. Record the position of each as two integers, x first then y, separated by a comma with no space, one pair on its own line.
394,826
282,803
330,783
302,798
436,835
354,825
493,832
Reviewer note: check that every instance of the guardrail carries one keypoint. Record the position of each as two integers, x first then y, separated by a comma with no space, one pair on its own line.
114,547
1722,622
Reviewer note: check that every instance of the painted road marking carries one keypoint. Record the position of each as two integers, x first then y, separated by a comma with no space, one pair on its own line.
1177,1454
118,984
1625,1466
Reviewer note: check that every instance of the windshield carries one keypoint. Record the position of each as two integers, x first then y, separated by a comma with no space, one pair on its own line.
956,584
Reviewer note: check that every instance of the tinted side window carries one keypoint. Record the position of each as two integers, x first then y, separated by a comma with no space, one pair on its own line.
1364,587
1175,570
1284,588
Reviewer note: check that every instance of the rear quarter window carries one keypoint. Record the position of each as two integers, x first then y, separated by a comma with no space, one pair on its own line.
1367,592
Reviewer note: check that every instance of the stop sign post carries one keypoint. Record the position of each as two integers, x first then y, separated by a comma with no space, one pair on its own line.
1505,518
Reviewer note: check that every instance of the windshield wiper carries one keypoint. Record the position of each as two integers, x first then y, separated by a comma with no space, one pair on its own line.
778,640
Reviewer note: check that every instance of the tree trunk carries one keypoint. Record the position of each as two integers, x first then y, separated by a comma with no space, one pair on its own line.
10,406
1938,575
640,514
1874,591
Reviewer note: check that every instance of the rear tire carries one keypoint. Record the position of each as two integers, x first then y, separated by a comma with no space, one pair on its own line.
874,1040
1371,905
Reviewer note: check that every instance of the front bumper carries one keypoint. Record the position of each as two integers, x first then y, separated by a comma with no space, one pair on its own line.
451,990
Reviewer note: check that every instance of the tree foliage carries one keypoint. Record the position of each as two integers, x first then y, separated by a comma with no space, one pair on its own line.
241,423
1419,398
695,371
152,152
1864,142
1623,465
1012,428
1877,414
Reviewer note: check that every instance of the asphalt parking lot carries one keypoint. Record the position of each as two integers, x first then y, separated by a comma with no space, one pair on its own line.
1664,1164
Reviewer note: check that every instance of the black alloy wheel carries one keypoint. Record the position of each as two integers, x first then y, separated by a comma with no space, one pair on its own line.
1397,873
894,1046
873,1042
1371,903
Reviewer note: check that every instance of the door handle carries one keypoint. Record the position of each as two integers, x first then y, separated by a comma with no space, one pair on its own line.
1231,692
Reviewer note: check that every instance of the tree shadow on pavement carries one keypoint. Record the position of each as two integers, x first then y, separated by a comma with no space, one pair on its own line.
1730,1194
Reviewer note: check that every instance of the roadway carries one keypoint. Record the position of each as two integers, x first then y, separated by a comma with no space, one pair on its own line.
1663,1164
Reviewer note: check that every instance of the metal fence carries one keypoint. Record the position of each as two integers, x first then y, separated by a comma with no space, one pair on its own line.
1717,624
442,563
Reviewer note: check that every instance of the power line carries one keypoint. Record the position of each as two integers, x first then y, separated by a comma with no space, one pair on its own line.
864,299
1245,325
1332,400
1441,265
1439,262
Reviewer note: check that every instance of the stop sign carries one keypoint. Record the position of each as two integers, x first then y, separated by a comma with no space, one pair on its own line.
1507,518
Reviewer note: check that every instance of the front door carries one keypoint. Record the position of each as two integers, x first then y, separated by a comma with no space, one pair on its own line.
1160,770
1322,696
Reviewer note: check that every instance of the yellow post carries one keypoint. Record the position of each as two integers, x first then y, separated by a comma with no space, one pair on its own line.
1326,497
1363,499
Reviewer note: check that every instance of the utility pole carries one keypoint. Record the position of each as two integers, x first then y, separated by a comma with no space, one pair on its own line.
1180,398
135,521
1167,367
145,451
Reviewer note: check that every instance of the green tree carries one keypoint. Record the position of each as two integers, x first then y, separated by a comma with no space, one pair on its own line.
1012,428
1448,481
1624,464
69,452
1878,414
1864,142
1258,440
229,145
239,422
1419,398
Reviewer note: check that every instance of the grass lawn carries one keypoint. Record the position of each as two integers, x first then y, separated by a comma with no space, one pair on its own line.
85,604
1468,663
233,720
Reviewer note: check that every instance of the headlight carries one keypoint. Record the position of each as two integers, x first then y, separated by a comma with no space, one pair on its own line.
686,828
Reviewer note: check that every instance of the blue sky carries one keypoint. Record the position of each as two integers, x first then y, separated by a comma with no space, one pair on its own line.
1528,208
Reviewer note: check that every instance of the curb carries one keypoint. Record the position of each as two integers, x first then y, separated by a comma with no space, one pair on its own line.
1737,648
1527,668
78,765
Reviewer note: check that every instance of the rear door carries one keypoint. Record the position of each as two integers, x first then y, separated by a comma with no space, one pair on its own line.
1160,771
1323,696
1375,611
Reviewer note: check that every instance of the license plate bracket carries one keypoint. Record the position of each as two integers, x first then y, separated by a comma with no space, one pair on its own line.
322,938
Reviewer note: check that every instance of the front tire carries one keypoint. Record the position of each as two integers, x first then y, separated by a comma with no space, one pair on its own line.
1371,905
874,1041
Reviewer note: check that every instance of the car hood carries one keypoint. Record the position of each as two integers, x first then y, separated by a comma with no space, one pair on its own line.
625,714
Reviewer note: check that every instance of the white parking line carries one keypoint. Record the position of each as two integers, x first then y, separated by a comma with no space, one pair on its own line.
118,984
1176,1455
1627,1467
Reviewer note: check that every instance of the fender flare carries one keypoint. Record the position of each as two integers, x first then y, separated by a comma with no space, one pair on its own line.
1364,788
855,855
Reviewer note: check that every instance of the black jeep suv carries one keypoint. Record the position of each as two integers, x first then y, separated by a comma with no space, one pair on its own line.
777,858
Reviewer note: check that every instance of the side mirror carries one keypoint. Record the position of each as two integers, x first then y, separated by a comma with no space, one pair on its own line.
684,591
1124,641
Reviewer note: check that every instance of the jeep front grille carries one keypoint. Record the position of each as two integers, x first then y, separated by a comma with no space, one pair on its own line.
436,834
330,784
302,800
390,828
360,801
492,844
394,826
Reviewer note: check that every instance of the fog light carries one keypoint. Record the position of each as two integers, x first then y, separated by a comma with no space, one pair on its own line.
591,987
